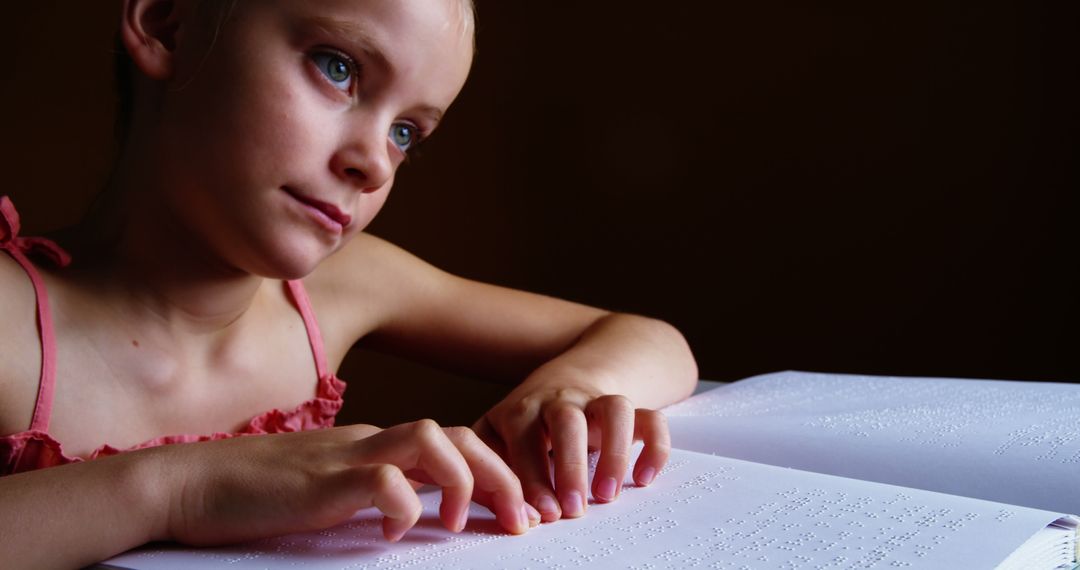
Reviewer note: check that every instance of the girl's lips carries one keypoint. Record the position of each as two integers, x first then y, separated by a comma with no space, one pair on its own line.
329,210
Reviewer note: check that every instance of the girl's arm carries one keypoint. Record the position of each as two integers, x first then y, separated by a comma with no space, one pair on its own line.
585,377
249,487
75,515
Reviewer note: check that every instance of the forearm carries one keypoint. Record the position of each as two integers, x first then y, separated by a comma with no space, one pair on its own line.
644,359
74,515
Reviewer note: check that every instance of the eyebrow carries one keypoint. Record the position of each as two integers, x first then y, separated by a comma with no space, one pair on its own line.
354,33
361,39
435,113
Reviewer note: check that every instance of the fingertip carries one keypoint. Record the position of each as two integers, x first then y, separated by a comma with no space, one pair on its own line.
606,489
573,504
395,529
645,476
514,520
548,508
454,515
533,515
461,521
522,519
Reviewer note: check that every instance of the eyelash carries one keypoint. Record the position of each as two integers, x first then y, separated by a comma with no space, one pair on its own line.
350,63
419,133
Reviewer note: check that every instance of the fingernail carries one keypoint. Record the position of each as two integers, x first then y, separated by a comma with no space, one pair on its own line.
646,476
463,518
548,507
605,491
534,515
523,517
573,504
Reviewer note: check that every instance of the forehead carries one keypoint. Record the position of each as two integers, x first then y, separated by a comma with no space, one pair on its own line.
429,17
426,43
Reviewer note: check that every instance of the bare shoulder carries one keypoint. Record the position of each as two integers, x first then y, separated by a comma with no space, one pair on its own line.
20,351
367,261
366,283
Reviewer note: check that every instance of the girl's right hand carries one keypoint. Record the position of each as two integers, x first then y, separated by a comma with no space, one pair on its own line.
258,486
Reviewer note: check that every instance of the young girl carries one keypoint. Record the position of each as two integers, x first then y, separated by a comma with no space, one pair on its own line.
263,137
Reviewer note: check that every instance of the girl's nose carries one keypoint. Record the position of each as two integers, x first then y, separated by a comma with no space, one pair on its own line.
363,161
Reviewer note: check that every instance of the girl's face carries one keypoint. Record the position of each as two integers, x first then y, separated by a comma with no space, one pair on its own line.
282,142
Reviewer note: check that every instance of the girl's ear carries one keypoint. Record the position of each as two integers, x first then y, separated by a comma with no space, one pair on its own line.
150,30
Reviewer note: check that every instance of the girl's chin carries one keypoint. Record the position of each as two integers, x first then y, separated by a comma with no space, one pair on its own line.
291,261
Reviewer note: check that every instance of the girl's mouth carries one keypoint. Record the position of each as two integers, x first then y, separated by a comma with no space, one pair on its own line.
327,214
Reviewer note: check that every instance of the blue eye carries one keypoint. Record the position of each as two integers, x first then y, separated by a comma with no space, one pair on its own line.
338,69
403,135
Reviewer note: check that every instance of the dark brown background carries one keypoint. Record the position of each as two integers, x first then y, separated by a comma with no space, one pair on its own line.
880,187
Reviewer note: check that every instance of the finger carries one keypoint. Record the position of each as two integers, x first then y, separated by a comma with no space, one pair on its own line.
423,450
495,485
384,486
528,452
651,427
489,436
355,431
569,434
615,415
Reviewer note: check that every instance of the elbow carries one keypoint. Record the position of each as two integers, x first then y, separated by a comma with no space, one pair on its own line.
679,372
685,372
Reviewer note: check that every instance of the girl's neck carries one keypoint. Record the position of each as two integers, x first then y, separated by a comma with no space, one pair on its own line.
155,269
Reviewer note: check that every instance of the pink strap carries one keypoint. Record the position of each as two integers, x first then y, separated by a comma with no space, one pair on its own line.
314,336
17,247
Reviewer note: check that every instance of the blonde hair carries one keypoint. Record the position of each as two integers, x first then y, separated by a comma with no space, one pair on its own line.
216,13
468,19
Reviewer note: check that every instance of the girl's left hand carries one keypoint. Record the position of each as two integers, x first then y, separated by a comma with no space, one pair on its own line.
537,428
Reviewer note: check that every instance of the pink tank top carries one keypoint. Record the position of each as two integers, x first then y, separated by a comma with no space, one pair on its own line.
35,448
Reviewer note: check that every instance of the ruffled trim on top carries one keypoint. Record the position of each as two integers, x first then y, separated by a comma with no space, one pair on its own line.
36,449
29,450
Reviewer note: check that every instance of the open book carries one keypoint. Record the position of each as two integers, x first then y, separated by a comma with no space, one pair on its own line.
789,470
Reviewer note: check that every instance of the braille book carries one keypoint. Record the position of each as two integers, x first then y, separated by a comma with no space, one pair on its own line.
791,471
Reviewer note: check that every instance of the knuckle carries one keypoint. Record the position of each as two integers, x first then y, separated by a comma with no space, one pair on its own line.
513,483
617,455
570,394
426,428
661,447
562,414
359,431
507,477
468,481
572,464
618,402
523,407
652,417
619,417
385,477
612,406
461,434
460,478
352,431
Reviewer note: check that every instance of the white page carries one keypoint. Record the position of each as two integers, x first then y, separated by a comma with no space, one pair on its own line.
1012,442
702,511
